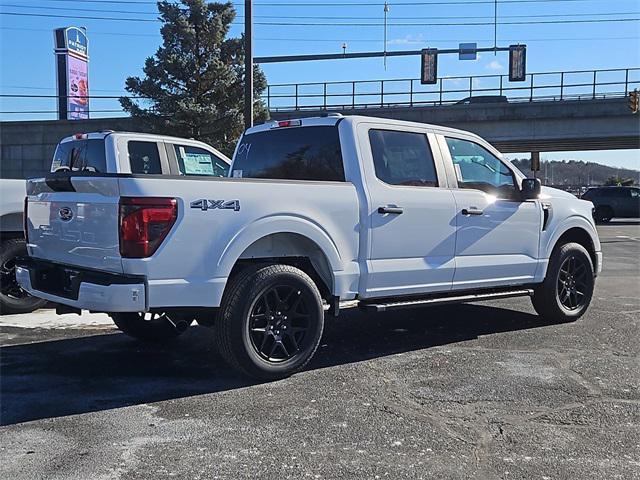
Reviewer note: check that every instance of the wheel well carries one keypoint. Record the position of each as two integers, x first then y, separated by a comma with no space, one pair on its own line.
290,249
580,236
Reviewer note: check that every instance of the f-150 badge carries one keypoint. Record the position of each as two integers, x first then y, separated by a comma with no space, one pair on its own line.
204,204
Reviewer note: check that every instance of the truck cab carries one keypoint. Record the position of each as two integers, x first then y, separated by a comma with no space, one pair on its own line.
316,214
137,153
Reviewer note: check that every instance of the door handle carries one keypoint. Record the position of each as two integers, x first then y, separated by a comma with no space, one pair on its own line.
393,210
472,211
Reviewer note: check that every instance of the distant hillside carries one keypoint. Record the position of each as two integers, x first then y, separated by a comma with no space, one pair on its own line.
574,172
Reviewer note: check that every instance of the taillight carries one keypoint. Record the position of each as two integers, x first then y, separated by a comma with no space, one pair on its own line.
144,224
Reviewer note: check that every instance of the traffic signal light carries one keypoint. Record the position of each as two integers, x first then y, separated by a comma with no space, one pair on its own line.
634,101
517,63
429,67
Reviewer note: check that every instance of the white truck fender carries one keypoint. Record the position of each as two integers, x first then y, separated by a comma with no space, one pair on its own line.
277,224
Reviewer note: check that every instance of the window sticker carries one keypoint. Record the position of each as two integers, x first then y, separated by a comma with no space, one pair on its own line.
237,174
198,163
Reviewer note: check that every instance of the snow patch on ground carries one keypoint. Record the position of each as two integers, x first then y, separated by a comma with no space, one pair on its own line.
48,319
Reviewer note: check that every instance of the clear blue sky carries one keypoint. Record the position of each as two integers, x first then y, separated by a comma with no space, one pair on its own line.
118,48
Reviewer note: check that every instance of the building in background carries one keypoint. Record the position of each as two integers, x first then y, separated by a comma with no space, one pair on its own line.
72,73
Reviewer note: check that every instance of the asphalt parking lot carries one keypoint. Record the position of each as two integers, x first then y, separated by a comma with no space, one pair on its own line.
470,391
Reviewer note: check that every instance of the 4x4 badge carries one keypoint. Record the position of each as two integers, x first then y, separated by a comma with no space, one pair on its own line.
205,204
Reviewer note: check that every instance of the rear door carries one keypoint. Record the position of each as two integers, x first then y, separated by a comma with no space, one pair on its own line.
186,159
411,213
73,220
497,234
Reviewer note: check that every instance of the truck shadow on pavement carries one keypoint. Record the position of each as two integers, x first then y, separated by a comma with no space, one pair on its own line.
100,372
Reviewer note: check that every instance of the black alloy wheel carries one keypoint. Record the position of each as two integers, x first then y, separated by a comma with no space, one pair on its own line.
279,321
573,282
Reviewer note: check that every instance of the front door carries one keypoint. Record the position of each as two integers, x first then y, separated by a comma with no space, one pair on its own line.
497,233
411,213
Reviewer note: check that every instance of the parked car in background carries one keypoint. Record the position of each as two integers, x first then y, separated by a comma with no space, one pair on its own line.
614,202
482,99
13,299
98,152
318,214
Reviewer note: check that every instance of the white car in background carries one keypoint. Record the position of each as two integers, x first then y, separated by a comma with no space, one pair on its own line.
106,152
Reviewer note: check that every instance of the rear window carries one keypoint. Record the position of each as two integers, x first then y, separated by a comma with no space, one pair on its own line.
197,161
303,153
80,155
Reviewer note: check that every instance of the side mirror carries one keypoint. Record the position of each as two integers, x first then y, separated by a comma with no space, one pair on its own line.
531,188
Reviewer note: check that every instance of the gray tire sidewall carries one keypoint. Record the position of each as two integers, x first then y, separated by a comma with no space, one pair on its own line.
252,292
14,248
552,277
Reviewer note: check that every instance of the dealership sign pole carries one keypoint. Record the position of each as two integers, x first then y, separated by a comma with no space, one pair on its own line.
72,73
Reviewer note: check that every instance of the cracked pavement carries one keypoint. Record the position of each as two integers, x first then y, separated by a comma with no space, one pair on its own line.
486,391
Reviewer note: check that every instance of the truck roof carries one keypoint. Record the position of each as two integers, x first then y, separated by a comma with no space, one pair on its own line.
105,133
332,118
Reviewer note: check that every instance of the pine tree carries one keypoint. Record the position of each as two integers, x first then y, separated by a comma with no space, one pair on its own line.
194,84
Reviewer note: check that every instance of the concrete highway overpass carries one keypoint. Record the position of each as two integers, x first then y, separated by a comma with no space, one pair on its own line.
538,126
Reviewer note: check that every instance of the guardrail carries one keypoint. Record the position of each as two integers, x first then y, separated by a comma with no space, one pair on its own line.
569,85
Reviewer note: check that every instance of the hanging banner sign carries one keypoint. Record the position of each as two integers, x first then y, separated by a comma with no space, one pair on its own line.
72,73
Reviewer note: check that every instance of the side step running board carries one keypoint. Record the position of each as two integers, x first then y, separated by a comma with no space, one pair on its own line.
381,306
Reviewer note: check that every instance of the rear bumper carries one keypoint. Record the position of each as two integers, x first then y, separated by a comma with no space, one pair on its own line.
81,288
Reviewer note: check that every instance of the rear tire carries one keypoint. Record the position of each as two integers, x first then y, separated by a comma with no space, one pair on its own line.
603,214
567,290
150,327
270,321
13,299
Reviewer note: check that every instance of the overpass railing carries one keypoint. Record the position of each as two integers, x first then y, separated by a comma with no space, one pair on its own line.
544,86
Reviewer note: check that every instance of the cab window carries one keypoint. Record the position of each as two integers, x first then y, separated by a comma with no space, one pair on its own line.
144,157
479,169
403,158
198,161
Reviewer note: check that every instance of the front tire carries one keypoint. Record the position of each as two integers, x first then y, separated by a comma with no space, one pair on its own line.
270,321
568,287
13,299
150,327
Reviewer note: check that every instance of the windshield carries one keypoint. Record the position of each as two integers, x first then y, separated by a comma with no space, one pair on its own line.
303,153
80,155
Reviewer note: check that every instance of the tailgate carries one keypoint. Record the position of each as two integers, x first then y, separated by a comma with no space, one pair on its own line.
74,220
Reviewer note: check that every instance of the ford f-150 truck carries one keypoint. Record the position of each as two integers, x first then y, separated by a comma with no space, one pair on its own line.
105,152
317,214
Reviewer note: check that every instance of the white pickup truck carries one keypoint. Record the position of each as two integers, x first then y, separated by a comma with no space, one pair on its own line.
105,151
318,214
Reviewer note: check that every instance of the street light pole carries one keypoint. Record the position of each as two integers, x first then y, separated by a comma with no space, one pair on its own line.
248,64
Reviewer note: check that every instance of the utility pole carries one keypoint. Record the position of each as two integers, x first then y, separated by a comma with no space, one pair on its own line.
386,11
248,64
495,27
